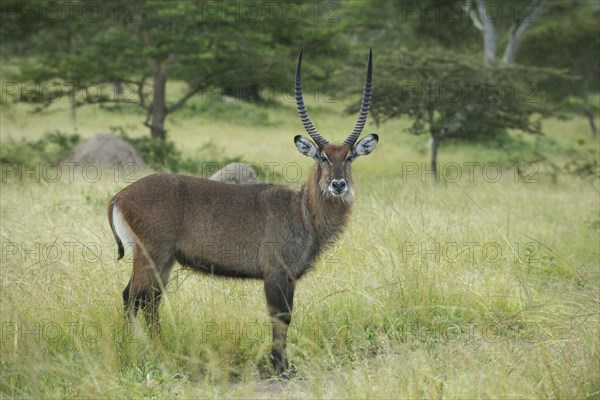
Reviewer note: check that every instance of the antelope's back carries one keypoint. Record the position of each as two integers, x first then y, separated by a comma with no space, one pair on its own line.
208,224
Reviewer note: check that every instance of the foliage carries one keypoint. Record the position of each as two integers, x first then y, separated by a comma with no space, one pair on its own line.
566,37
443,91
456,96
138,46
51,148
234,111
386,25
163,154
587,168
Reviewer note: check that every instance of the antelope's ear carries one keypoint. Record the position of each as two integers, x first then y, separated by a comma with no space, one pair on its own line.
306,147
365,146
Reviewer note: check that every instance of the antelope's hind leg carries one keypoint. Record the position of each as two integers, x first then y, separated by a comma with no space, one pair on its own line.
145,287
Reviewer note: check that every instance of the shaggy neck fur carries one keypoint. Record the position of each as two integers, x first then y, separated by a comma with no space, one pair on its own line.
324,214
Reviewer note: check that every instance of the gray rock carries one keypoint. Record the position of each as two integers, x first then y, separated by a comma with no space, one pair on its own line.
106,150
235,173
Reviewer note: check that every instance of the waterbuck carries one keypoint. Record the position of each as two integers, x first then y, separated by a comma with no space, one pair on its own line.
260,231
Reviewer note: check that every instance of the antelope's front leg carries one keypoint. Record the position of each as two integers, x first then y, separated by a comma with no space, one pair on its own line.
279,289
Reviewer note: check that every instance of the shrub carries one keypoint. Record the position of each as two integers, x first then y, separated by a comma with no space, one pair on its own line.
163,154
52,147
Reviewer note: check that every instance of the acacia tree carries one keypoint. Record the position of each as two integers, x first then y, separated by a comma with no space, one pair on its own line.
450,96
141,45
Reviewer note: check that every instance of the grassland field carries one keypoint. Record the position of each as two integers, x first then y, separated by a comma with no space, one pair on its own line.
478,286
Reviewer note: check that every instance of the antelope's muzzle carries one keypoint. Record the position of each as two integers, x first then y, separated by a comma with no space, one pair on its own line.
338,187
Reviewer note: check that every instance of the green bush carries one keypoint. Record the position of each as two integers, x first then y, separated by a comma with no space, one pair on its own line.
52,147
163,154
160,155
583,167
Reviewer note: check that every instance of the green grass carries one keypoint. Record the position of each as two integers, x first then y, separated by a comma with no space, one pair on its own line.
452,290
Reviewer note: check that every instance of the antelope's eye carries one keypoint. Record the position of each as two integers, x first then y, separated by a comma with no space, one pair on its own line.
324,159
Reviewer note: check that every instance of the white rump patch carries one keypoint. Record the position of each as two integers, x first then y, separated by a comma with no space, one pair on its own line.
122,230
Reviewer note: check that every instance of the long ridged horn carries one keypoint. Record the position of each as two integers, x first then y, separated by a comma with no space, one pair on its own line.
364,108
310,128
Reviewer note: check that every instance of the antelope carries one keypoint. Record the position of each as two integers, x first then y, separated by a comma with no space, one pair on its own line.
252,231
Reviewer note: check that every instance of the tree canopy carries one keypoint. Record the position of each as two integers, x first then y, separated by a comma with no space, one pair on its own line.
136,47
447,96
140,45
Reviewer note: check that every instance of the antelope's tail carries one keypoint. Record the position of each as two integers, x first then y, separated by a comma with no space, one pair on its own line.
111,217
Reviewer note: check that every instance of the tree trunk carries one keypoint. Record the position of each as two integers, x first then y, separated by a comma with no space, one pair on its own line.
435,143
517,32
118,88
587,110
159,106
74,112
485,24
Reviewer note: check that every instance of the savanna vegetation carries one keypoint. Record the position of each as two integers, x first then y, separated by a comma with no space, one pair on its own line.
480,281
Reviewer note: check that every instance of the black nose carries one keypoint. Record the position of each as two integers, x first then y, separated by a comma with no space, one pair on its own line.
338,185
